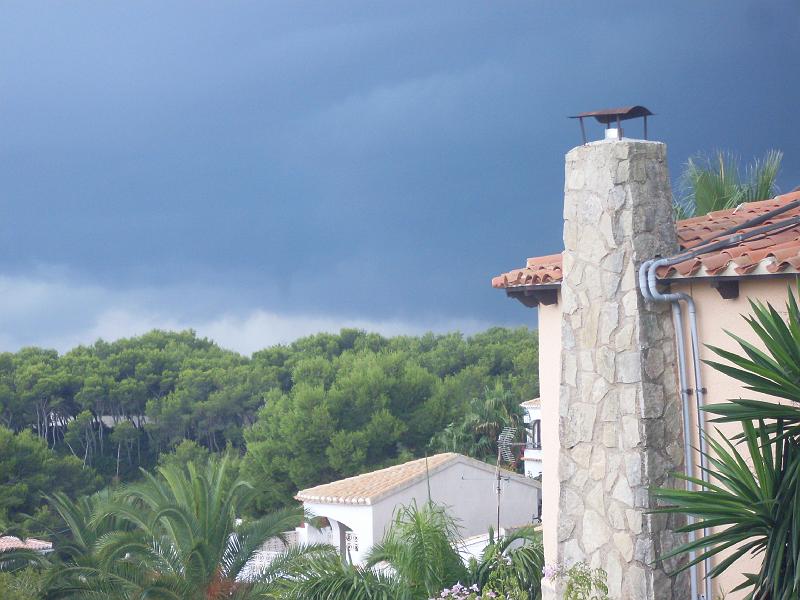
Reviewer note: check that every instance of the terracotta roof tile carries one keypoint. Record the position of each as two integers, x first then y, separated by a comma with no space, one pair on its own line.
537,271
9,542
771,253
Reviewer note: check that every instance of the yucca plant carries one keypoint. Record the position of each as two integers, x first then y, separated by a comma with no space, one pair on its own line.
753,498
754,502
718,183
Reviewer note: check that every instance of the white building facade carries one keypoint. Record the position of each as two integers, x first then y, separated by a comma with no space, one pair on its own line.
355,513
533,457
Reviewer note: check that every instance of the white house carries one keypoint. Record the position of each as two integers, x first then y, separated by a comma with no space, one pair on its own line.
533,437
356,512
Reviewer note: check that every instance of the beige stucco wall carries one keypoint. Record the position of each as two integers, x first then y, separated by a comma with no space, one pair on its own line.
549,381
714,316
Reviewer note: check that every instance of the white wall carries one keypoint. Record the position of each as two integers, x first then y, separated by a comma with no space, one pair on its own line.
469,492
357,517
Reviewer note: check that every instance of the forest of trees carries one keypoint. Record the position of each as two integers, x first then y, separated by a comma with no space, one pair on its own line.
324,407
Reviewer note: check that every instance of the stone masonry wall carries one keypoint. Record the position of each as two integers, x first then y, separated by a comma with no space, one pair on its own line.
619,407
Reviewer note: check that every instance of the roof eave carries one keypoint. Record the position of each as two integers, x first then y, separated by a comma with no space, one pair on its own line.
534,295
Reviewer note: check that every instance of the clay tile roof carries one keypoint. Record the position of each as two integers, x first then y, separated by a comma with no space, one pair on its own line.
539,270
370,487
777,251
9,542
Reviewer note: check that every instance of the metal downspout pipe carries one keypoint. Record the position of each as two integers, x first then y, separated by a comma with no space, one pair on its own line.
677,319
650,291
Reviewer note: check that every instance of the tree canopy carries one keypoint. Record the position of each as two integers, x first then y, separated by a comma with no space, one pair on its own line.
323,407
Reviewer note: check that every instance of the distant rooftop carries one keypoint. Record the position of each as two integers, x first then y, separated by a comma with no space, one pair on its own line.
370,487
9,542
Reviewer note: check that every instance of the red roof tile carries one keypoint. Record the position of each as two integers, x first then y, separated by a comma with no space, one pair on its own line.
774,252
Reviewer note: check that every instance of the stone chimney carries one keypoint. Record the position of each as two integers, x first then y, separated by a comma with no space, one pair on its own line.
620,417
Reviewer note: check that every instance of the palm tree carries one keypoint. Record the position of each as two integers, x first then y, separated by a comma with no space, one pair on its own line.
176,536
717,184
417,559
187,540
421,548
756,509
75,543
476,434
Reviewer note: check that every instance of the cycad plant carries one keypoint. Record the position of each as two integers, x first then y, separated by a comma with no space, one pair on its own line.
753,497
718,183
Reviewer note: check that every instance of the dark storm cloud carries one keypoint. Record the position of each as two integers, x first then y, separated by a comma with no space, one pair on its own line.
350,159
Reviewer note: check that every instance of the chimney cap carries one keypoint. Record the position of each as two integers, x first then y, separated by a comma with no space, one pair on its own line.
615,115
611,115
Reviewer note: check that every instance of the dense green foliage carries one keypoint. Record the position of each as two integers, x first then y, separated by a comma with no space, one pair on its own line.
754,495
175,536
28,469
323,407
716,184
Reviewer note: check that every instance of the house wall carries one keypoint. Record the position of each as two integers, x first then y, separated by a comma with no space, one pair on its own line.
549,381
468,491
714,315
358,517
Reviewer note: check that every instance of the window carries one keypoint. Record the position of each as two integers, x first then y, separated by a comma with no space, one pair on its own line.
535,439
351,541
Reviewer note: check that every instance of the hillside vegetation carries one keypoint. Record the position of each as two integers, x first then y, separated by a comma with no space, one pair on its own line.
324,407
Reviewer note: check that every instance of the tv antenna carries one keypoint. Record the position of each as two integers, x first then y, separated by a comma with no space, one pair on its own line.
505,453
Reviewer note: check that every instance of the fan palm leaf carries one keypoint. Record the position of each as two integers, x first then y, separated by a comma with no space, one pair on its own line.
717,183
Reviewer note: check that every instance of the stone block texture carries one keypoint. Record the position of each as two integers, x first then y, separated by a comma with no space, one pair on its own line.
619,406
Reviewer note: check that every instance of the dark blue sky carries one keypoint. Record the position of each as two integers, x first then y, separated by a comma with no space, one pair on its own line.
216,164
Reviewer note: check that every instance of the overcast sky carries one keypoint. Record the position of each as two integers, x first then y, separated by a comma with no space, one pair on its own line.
265,170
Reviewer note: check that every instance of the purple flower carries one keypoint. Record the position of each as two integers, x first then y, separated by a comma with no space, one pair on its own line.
551,571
